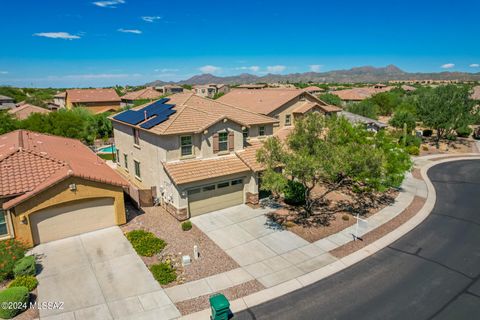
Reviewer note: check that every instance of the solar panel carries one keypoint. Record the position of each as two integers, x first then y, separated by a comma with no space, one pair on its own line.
158,110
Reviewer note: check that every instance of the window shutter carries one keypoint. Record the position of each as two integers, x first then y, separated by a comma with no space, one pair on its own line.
231,141
215,143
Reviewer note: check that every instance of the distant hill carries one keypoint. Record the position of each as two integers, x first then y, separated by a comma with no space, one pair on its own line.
360,74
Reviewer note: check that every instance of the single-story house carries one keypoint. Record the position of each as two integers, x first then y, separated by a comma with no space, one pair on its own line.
253,86
25,110
53,187
170,89
314,90
148,93
6,103
372,124
95,100
59,99
359,94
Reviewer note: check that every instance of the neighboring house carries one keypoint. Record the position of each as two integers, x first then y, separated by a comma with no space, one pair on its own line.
59,100
25,110
6,103
285,105
210,90
314,90
170,89
194,153
371,124
54,187
408,88
359,94
148,93
95,100
254,86
476,93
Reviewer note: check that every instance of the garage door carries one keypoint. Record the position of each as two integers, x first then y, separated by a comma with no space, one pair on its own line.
215,197
72,219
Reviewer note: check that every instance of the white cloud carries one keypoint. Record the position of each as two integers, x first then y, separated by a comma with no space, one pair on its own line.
250,68
276,69
447,66
108,4
151,18
57,35
474,65
134,31
166,70
3,72
315,67
209,69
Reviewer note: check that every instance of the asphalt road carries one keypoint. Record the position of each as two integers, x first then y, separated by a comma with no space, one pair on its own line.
430,273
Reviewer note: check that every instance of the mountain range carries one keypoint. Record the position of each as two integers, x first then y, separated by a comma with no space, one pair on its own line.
366,74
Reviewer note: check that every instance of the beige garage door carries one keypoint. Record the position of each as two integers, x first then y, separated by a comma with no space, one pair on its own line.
72,219
215,197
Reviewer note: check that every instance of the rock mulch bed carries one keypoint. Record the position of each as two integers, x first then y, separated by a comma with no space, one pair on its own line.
213,260
201,303
381,231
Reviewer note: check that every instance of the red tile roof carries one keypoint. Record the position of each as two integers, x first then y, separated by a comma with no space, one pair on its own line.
92,95
147,93
25,110
31,162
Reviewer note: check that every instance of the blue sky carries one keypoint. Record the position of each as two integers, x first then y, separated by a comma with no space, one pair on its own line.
106,42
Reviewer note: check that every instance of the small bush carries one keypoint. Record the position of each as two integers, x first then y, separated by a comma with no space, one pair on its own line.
345,217
10,252
411,141
145,243
427,132
294,193
18,296
451,137
425,148
186,225
28,282
163,272
413,150
464,132
25,267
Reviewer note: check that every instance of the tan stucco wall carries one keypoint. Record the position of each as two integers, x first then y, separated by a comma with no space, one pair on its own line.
61,194
94,107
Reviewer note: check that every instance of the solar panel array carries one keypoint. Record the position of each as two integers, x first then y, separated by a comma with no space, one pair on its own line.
152,114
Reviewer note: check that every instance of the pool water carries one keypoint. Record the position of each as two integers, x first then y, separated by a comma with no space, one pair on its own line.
109,149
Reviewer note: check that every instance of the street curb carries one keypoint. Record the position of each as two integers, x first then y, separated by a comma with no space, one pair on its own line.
353,258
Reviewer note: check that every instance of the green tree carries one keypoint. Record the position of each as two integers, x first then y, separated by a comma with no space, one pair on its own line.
402,117
334,153
364,108
445,109
386,102
7,122
332,99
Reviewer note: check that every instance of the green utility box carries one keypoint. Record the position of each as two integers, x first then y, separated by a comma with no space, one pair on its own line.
220,307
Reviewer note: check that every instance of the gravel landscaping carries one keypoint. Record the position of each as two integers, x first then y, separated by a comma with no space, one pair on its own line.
381,231
201,303
213,260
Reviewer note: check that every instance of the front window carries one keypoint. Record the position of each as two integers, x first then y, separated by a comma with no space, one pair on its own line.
261,131
125,160
137,169
136,136
223,141
288,119
186,145
3,224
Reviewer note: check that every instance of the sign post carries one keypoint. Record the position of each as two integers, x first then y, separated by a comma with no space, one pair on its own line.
361,223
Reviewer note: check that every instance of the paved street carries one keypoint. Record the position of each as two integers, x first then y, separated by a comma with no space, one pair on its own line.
98,275
430,273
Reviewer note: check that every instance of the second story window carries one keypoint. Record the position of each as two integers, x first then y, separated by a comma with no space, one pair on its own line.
261,131
245,135
125,160
186,145
136,136
137,169
223,141
288,119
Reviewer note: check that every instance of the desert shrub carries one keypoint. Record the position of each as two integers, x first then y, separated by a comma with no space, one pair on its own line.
10,252
145,243
345,217
451,137
425,148
28,282
402,117
413,150
427,132
163,272
464,132
25,267
18,297
186,225
411,141
294,193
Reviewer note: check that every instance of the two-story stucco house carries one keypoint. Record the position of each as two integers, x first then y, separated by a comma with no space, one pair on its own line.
285,105
198,154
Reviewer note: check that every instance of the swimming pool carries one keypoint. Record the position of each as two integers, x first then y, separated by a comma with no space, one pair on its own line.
109,149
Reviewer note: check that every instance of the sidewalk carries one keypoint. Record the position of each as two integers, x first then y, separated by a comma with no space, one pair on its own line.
317,263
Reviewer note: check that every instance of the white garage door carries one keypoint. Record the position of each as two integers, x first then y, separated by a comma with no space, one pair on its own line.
72,219
215,197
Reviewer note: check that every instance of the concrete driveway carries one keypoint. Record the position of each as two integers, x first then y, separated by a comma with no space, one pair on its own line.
98,275
263,249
